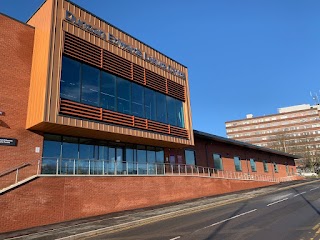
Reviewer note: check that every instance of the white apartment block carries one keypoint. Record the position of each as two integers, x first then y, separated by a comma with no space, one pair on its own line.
294,129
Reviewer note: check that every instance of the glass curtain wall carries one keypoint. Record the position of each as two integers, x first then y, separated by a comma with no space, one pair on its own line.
70,155
89,85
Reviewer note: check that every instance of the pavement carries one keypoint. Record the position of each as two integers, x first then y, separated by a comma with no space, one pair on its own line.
110,223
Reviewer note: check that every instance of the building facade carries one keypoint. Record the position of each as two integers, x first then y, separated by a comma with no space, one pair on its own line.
94,92
293,129
92,121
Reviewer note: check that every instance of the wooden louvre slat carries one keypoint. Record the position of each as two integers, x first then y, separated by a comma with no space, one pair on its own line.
179,132
140,123
117,65
72,108
159,127
116,118
80,110
176,90
82,50
155,81
138,74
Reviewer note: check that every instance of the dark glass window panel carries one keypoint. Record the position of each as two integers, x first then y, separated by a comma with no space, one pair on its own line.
172,112
112,154
131,160
119,159
90,78
103,153
253,165
161,108
265,166
52,146
237,163
70,147
123,96
137,100
179,114
151,155
141,154
51,154
217,161
190,157
159,155
108,91
110,164
150,104
69,161
70,79
86,150
142,159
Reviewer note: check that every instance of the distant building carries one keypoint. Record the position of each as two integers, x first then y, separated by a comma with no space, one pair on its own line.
294,129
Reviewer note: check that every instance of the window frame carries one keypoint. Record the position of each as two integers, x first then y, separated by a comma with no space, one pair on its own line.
253,165
194,156
235,165
220,162
265,165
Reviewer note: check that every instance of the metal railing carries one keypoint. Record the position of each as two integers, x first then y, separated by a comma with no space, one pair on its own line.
19,173
63,166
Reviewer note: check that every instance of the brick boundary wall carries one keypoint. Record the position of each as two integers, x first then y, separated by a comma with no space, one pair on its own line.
48,200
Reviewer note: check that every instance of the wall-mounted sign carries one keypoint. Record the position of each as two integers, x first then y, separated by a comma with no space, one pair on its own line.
124,46
116,41
71,18
8,141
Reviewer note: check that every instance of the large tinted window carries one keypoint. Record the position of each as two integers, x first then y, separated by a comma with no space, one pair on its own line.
90,87
172,113
137,100
159,155
70,147
161,107
179,114
52,146
87,149
151,155
108,91
70,79
190,157
123,96
150,104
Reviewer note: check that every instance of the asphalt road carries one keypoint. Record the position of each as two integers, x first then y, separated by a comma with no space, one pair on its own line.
292,214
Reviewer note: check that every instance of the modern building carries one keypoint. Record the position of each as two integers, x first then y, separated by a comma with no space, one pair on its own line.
92,91
94,121
294,129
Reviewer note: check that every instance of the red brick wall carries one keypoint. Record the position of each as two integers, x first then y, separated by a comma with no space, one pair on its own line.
54,199
16,46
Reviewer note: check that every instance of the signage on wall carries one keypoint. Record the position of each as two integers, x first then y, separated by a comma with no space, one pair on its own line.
116,41
71,18
8,141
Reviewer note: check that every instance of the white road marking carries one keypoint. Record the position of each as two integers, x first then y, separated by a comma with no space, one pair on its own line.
228,219
314,188
175,238
277,202
299,194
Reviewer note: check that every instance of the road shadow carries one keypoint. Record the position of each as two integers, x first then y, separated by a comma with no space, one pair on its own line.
307,201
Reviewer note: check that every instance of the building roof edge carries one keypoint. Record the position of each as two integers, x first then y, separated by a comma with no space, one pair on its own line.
242,144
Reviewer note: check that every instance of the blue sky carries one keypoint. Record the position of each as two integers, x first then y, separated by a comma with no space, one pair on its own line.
243,56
